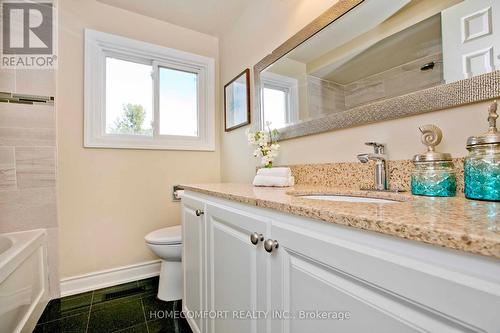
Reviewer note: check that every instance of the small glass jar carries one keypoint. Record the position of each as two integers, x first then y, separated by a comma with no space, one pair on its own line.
482,166
434,178
482,172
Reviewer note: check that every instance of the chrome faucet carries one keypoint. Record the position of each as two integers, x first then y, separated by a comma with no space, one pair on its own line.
380,165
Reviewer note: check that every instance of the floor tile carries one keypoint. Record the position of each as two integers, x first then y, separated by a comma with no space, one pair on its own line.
73,324
117,309
115,315
168,326
66,306
156,309
141,328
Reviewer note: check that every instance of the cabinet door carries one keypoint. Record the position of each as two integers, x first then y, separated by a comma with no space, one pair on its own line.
193,233
236,270
317,274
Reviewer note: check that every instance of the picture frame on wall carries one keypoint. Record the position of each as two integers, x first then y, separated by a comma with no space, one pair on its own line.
237,101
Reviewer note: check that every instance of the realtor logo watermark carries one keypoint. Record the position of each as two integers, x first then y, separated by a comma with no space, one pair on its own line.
28,34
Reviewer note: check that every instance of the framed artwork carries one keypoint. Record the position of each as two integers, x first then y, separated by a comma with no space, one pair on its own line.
237,102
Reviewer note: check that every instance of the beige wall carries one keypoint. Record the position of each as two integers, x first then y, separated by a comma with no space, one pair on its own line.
109,199
267,24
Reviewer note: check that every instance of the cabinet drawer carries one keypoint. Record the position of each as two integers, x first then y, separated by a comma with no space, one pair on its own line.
422,296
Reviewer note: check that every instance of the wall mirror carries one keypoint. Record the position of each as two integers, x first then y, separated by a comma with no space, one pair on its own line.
373,60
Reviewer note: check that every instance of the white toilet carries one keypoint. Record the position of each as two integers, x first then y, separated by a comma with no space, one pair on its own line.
166,243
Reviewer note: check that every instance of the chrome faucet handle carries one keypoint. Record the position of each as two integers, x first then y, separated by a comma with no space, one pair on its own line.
378,148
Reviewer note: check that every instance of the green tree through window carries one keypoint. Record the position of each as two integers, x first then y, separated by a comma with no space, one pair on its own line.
131,121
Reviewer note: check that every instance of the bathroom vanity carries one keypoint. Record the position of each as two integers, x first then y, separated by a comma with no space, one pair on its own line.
293,263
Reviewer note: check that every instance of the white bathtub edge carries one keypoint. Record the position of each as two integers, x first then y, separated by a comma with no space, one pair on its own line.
110,277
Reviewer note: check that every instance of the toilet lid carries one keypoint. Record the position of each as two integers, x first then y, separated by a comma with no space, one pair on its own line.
170,235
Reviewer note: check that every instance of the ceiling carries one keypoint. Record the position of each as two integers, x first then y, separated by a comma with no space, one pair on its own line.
208,16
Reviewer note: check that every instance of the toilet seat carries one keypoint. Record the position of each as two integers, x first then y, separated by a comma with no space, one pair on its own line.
165,236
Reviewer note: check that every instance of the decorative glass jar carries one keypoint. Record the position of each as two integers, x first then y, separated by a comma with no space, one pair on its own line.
435,179
482,172
482,165
434,172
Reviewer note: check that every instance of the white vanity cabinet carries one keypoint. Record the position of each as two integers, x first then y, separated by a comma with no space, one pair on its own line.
193,261
236,269
358,280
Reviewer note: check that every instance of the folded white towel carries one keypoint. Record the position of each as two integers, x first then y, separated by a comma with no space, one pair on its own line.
275,172
273,181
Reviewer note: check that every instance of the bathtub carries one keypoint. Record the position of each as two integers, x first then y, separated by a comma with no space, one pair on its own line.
24,283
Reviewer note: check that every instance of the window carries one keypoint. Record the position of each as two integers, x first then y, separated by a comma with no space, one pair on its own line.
178,91
279,99
129,98
276,106
143,96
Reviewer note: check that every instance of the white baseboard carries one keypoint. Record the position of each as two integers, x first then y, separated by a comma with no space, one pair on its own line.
110,277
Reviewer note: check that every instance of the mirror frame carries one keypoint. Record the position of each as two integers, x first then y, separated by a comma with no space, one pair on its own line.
476,89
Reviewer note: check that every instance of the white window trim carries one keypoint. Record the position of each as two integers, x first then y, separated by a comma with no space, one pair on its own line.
289,86
98,46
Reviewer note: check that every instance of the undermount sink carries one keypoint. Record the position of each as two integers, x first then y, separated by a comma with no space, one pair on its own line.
345,198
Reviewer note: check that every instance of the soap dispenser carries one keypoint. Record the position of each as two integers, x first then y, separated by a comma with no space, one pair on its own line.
482,165
434,172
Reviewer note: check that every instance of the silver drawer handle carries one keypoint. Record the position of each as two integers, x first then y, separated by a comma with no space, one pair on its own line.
255,238
199,212
270,244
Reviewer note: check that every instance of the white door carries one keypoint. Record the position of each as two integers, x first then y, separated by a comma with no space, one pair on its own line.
193,233
471,39
327,284
236,270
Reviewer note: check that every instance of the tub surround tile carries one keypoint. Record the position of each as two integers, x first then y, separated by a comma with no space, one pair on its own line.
7,80
27,137
27,116
35,167
28,209
39,82
456,223
7,169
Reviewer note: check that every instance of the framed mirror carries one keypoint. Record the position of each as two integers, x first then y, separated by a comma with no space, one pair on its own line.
365,61
237,101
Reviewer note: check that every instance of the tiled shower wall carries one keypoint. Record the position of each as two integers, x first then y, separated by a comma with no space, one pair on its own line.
327,97
28,160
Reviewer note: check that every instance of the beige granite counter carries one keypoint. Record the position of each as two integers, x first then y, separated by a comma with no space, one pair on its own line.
457,223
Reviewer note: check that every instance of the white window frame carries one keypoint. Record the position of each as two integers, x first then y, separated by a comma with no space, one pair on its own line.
290,87
99,46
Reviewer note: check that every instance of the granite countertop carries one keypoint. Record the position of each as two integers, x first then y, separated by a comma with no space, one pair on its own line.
457,223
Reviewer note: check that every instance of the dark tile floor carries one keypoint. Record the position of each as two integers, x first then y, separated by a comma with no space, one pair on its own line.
129,308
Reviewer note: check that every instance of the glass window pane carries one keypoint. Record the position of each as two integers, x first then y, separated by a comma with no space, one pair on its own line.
129,98
275,107
178,102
